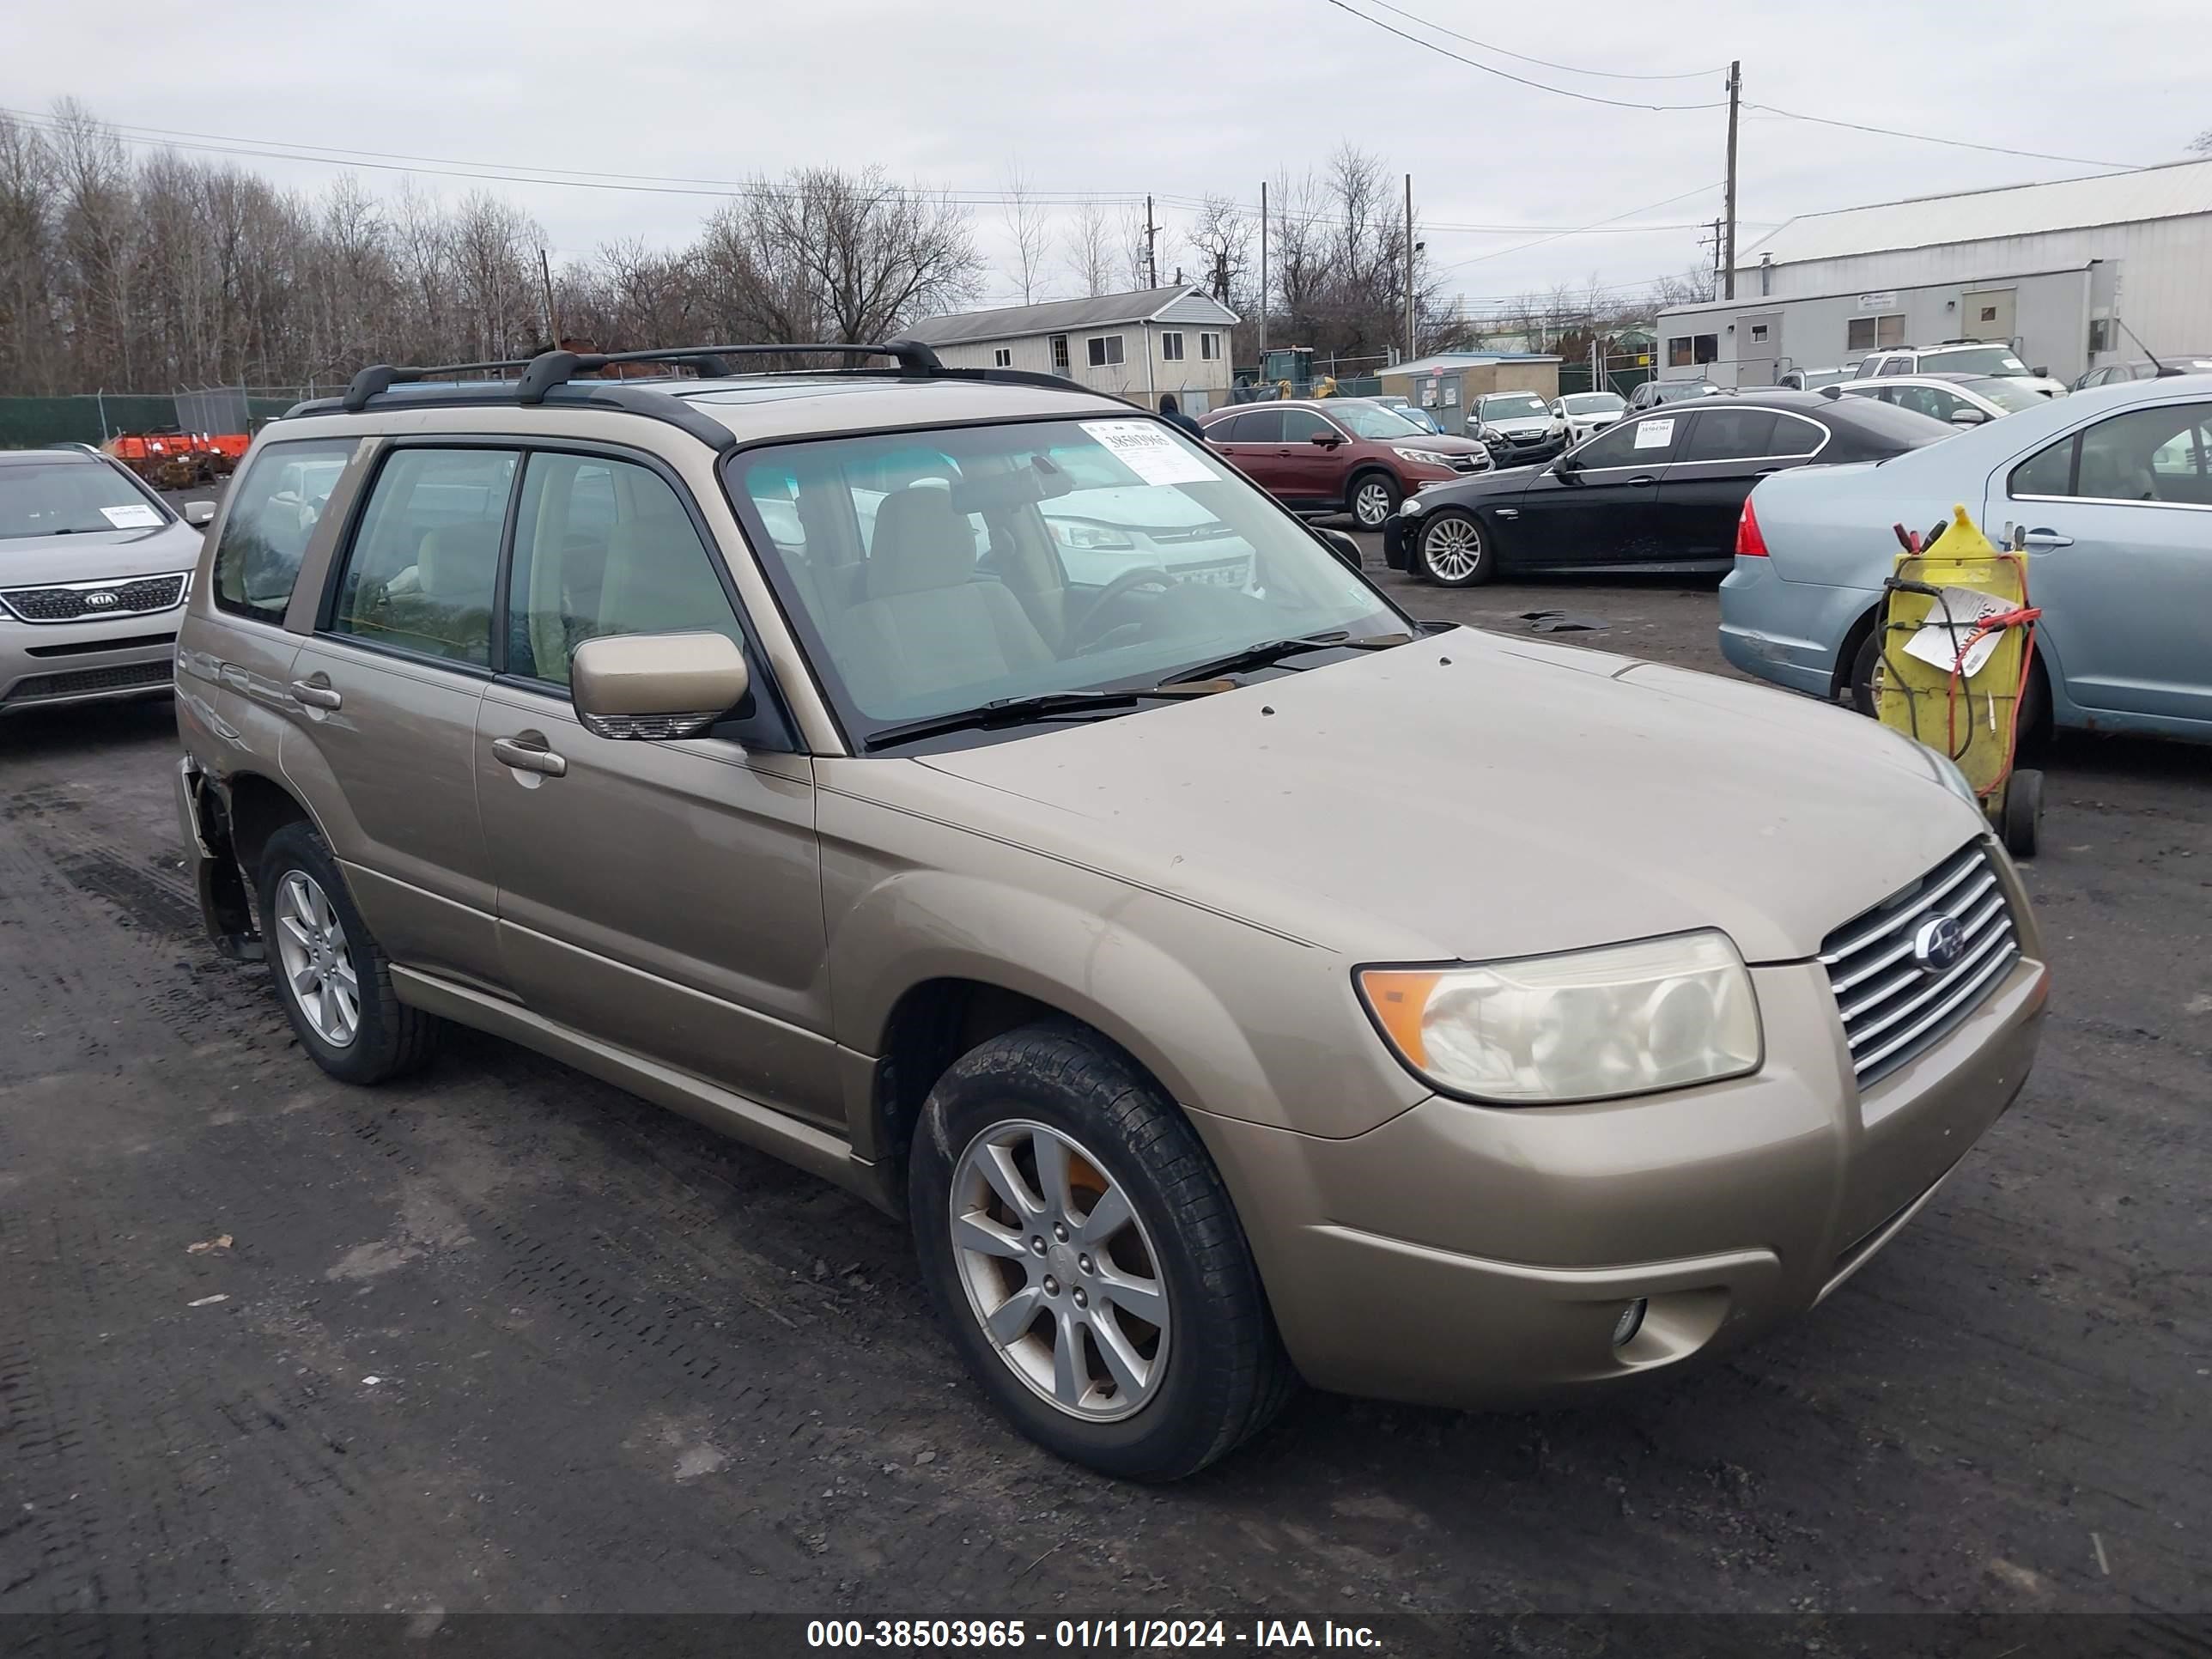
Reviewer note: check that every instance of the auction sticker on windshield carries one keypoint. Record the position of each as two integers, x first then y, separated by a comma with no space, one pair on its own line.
134,517
1147,451
1654,434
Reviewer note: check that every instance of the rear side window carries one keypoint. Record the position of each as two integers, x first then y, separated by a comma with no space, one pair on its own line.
1727,434
425,557
274,509
602,547
1261,426
1795,436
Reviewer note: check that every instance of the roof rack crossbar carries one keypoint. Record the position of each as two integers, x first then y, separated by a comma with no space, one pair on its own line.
382,377
551,369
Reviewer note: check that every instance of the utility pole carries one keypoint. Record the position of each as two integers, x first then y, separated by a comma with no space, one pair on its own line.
1736,100
552,323
1265,296
1151,260
1411,351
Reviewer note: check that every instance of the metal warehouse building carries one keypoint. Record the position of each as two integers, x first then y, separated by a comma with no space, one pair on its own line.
2067,272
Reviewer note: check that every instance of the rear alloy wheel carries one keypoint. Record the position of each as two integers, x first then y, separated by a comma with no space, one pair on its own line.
1865,661
1375,496
1453,552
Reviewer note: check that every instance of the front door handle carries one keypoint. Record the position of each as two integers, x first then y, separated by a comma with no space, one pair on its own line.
316,693
526,755
2046,539
1642,481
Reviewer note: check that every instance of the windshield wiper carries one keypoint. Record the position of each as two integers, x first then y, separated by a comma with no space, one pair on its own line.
1015,711
1272,652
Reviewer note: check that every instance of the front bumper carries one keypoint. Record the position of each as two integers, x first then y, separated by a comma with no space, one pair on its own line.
1466,1256
48,665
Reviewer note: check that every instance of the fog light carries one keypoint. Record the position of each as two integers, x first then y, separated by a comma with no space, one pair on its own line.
1631,1322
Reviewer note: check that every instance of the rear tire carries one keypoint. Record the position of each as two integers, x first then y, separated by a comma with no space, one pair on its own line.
1027,1289
330,975
1451,549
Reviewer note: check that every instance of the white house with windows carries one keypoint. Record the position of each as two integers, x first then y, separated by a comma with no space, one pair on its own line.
1135,345
2075,274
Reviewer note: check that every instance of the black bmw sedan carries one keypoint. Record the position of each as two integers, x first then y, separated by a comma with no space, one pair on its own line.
1659,491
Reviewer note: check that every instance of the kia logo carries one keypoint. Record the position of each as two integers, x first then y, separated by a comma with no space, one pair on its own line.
102,598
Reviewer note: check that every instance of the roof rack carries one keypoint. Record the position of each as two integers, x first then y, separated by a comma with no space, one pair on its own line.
548,369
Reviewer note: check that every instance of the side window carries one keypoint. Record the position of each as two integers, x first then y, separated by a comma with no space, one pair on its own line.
1261,426
276,508
601,547
2048,471
1795,436
1726,435
1226,431
1619,446
1303,426
2144,455
425,557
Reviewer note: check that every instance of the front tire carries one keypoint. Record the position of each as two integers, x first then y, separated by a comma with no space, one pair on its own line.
1083,1254
1452,550
1864,661
331,978
1374,497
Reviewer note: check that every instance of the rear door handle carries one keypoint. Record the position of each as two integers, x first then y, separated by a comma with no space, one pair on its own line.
316,693
2047,538
526,756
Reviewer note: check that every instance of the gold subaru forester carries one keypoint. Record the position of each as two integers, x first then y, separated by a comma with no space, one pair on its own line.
963,785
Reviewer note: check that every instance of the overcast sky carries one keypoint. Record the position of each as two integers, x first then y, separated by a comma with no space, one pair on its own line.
1126,96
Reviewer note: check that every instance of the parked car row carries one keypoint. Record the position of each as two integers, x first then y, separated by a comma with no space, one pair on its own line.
1338,454
1654,491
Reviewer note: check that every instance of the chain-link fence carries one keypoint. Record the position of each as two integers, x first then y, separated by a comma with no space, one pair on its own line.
95,417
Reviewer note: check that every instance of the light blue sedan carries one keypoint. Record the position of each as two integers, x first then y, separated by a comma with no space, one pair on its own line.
2113,488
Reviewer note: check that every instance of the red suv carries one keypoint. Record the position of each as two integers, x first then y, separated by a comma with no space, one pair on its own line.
1339,454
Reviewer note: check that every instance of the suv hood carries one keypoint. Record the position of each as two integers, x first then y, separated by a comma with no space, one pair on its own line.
91,555
1464,797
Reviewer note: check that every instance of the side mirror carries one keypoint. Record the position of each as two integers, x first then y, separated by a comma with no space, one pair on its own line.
1968,415
1566,468
199,514
656,685
1343,546
2044,369
1327,440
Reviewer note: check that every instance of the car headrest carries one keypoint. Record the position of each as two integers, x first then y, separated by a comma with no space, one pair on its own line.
459,562
920,543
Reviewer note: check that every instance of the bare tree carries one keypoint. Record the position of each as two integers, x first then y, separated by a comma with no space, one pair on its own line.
1220,238
1089,255
1692,287
1028,234
1137,254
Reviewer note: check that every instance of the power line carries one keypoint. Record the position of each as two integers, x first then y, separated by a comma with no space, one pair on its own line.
1508,75
1499,253
1546,63
1955,143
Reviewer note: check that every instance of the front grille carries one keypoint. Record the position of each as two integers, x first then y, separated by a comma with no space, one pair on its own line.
84,681
1213,531
80,601
1892,1008
1468,463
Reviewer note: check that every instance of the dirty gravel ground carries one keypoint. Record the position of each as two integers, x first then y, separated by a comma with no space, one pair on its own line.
503,1338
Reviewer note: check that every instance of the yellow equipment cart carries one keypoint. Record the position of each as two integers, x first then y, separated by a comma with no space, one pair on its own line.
1957,635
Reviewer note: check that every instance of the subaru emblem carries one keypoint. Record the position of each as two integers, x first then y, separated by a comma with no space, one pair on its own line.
1938,944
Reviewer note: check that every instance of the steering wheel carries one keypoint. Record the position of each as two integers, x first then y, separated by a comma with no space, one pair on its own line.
1088,630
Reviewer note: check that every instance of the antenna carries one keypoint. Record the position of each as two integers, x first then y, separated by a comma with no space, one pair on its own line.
2140,346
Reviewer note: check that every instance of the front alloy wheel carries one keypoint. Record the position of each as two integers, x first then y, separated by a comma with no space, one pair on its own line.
1373,501
1453,553
1059,1271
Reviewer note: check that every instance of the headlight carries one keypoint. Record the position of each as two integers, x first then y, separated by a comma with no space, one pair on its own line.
1091,538
1411,508
1624,1019
1949,775
1422,457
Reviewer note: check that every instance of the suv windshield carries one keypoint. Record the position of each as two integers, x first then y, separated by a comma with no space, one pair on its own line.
67,498
1514,406
1373,421
936,571
1973,360
1593,403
